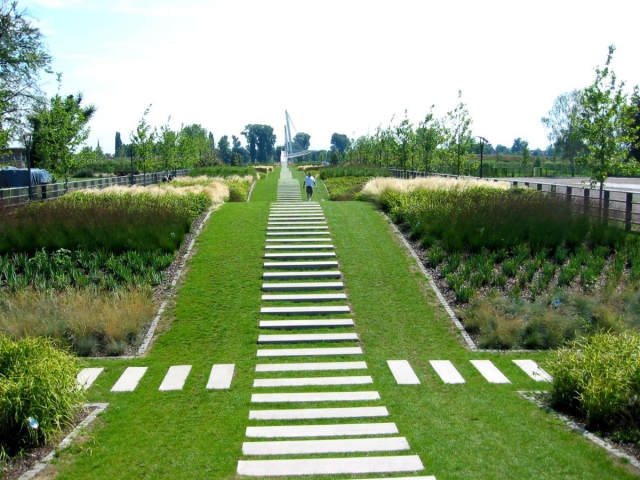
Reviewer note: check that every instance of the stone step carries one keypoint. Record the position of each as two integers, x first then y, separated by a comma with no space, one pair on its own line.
129,380
300,275
296,222
308,337
311,381
312,227
489,371
322,246
87,376
291,216
302,447
300,265
297,234
220,377
296,211
309,352
298,255
402,372
304,310
295,240
305,297
532,369
314,397
296,324
446,371
285,287
310,367
329,466
336,430
318,413
175,378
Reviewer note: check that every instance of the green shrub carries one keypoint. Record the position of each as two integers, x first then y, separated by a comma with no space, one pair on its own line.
38,381
345,188
353,171
222,171
238,190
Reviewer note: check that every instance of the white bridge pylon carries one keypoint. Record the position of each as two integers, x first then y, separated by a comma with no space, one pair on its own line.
288,152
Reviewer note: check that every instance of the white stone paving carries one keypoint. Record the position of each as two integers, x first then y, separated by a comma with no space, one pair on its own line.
291,324
175,378
532,369
336,430
221,376
446,371
129,380
285,286
295,255
305,310
319,413
301,265
402,372
309,352
297,275
296,234
304,297
314,397
310,367
489,371
87,376
308,381
352,445
308,337
299,247
294,240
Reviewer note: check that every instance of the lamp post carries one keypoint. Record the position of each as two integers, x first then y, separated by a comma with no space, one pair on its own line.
482,143
27,137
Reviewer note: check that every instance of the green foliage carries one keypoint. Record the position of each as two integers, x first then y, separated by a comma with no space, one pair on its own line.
354,171
143,141
238,190
37,380
345,188
222,172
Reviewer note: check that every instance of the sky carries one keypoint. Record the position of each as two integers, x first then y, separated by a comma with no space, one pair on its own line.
342,66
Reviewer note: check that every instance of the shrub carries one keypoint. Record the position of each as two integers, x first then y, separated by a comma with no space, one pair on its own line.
38,381
223,171
354,171
344,188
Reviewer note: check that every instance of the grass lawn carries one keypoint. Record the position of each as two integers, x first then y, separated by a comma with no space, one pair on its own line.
472,431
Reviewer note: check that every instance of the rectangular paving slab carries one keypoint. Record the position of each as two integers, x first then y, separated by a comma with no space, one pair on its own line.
301,275
314,397
301,447
402,372
283,287
309,228
175,378
295,324
301,265
446,371
221,376
337,430
297,255
87,376
301,382
318,413
296,240
329,466
309,352
129,380
489,371
304,297
295,234
532,369
317,246
304,310
310,367
284,222
308,337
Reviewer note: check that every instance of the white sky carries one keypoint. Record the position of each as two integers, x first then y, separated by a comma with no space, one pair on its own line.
352,64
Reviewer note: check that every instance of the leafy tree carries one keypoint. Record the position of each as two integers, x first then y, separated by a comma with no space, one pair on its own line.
502,149
339,142
632,123
237,148
261,141
525,152
406,139
224,150
335,157
517,146
23,56
142,142
562,126
118,145
302,140
458,123
195,143
61,129
236,160
429,137
167,146
600,121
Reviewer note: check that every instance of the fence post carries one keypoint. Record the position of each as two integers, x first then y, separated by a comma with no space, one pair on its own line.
44,192
539,187
526,184
605,214
553,188
514,184
628,211
568,193
585,201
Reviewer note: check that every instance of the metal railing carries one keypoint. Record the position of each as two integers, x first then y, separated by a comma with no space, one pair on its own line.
10,197
615,205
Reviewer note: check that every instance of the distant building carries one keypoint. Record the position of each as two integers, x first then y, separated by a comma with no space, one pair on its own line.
14,157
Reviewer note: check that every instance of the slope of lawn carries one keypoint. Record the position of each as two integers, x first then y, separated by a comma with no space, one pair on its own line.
265,189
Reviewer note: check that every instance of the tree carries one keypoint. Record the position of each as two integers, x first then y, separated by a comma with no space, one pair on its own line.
167,146
61,127
261,141
458,123
632,124
429,137
524,151
339,142
118,145
142,141
236,160
237,148
405,138
601,123
562,126
302,140
517,146
224,150
23,56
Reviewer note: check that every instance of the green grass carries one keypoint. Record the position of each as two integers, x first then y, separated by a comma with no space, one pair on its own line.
319,194
265,189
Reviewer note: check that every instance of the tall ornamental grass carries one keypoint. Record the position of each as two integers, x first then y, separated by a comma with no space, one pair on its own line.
223,171
344,188
38,392
238,186
353,171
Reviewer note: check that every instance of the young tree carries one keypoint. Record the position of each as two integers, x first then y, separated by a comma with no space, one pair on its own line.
142,141
167,146
429,137
460,140
632,124
406,140
524,151
118,145
224,150
601,123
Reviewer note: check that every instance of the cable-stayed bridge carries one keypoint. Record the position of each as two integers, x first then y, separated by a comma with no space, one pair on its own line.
289,152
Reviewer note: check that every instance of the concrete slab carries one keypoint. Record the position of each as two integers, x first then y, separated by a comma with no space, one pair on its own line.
446,371
305,297
296,324
296,223
301,265
318,413
312,227
129,380
283,287
309,352
307,337
310,367
314,397
175,378
87,376
295,234
301,275
489,371
290,241
299,255
337,430
304,310
532,369
402,372
301,447
308,381
221,376
329,466
317,246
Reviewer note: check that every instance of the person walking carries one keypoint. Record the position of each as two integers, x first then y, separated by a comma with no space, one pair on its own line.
309,183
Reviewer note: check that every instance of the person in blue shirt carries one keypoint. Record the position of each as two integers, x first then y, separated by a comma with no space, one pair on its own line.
309,183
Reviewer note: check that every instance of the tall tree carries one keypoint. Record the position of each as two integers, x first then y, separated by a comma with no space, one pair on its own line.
561,124
632,114
429,137
339,142
458,123
405,138
142,142
167,146
517,146
224,150
23,56
261,141
118,145
302,140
